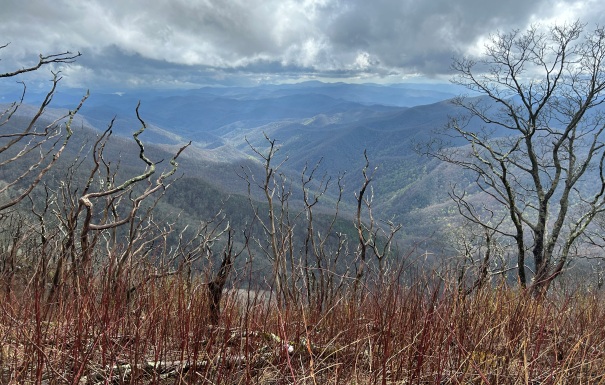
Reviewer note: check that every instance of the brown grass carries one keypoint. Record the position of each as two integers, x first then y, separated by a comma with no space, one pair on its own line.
392,334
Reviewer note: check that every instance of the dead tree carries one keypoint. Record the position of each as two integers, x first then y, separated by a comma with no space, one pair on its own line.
217,284
274,224
373,238
84,224
325,251
30,147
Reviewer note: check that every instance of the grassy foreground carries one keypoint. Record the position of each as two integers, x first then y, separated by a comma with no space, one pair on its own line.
392,334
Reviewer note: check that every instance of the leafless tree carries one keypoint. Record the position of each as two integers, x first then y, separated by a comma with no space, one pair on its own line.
539,154
324,249
31,149
91,214
304,261
479,257
311,257
218,281
373,237
275,224
96,222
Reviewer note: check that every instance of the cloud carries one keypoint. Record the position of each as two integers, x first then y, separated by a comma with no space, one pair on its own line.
186,43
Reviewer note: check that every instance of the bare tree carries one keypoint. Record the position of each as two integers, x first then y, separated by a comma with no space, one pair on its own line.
31,149
539,153
324,249
275,226
216,285
96,222
480,256
43,60
90,215
373,239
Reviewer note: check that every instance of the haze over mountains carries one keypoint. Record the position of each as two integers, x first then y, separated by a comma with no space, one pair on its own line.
310,121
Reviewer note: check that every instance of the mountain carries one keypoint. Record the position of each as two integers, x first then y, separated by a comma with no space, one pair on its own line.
311,122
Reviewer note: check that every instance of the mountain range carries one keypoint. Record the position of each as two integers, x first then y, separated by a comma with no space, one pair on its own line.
333,124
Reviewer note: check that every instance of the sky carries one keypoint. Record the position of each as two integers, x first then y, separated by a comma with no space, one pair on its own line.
193,43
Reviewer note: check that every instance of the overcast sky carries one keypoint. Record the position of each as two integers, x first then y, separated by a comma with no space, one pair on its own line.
190,43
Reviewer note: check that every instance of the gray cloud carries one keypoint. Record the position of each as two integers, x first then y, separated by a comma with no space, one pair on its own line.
183,43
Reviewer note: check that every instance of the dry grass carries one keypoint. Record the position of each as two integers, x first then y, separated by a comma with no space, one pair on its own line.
419,334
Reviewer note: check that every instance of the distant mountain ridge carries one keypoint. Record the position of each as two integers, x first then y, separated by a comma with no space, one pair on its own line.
311,121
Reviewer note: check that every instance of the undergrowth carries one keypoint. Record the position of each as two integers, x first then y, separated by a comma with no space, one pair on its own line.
424,333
